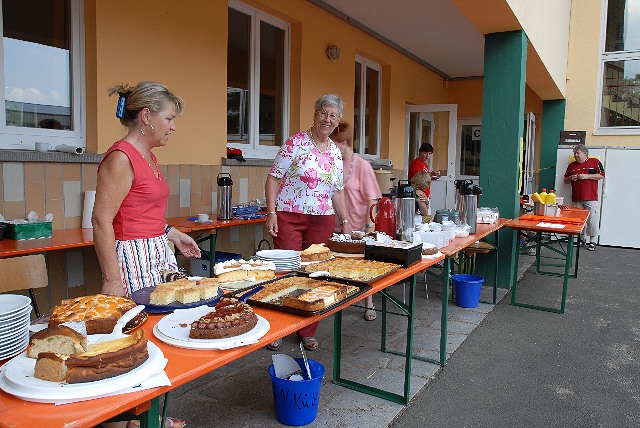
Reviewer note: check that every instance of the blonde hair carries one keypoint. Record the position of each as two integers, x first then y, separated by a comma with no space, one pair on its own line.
151,95
421,181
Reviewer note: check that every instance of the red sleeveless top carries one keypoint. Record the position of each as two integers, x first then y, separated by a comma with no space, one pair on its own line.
142,213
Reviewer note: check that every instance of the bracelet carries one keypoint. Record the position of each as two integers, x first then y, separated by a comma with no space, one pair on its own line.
344,221
167,229
272,212
370,224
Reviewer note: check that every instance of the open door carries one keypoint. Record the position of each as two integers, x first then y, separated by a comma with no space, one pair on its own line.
435,124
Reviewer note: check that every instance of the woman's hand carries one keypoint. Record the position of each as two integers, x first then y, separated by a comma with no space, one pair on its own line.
272,224
184,243
113,288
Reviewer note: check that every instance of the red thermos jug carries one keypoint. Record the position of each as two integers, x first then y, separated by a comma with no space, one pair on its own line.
385,219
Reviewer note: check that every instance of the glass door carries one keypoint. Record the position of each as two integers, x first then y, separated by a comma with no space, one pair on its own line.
435,124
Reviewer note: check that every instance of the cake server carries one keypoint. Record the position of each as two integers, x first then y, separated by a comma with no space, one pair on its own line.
306,362
117,333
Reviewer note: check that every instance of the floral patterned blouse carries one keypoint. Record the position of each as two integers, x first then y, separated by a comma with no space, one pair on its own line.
309,177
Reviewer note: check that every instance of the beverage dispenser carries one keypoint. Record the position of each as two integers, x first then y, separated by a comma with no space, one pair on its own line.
225,186
405,211
469,195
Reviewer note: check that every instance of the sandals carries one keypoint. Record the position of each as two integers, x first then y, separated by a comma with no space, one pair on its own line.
591,246
370,314
275,345
309,343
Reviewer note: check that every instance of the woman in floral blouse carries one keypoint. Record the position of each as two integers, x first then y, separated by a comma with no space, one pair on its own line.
304,191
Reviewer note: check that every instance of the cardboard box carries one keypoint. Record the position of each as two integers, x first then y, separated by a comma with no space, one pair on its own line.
27,230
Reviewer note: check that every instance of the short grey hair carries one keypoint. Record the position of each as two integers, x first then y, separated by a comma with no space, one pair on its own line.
331,100
581,148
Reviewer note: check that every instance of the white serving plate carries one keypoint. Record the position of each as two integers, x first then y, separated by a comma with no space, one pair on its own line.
16,324
278,254
174,330
6,336
16,314
17,379
15,349
10,303
14,341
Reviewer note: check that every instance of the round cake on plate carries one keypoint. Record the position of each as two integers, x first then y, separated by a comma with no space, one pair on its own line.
230,318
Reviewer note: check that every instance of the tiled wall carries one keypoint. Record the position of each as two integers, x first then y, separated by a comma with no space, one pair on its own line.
58,188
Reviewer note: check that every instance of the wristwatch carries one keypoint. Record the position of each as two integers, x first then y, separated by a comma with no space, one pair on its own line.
345,221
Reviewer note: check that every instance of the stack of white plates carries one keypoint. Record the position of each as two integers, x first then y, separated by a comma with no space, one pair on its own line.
285,260
15,318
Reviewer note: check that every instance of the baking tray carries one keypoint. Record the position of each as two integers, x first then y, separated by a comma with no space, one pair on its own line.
353,281
363,287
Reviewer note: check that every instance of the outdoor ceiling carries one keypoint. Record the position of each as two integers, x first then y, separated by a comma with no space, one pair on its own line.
435,32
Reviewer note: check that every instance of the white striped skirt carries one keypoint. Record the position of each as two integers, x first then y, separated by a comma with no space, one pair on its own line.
142,261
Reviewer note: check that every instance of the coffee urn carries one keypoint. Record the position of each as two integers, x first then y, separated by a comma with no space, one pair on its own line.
225,186
405,211
469,194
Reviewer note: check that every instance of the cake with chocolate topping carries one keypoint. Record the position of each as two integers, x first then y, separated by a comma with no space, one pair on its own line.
230,318
354,242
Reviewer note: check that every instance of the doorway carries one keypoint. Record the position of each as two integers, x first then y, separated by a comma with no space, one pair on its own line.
435,124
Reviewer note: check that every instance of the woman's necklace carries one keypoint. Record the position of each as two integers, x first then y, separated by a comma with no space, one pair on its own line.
350,170
317,145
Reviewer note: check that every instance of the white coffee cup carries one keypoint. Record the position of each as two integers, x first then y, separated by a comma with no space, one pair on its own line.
43,147
203,217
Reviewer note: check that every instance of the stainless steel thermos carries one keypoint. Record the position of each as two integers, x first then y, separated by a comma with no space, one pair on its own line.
225,186
469,194
405,211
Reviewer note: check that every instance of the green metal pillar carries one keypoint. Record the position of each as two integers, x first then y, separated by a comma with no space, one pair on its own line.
552,124
505,57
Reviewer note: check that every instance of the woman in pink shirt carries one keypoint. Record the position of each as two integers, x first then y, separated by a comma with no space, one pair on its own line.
130,234
361,191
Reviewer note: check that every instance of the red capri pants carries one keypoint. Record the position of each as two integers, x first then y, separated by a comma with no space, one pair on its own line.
299,231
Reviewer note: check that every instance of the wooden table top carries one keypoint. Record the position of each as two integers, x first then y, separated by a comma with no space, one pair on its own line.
576,219
60,240
184,365
187,226
482,230
76,238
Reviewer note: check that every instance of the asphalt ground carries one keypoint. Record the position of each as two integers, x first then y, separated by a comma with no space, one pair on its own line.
529,368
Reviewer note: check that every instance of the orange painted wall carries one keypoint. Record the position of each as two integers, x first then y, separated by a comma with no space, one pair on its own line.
185,48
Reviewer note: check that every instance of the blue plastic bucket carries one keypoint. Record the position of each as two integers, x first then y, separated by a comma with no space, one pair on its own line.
467,288
296,402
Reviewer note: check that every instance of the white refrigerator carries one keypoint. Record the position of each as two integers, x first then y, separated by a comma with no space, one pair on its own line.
620,206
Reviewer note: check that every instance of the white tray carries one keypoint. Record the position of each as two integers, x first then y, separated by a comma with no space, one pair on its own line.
174,330
17,379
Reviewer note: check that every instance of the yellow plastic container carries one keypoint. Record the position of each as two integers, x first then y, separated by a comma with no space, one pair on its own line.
551,198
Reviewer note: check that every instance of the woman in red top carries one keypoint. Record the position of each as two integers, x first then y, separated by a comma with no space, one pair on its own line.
130,233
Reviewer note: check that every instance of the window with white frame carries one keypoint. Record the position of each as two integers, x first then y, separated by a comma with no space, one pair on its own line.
620,62
257,81
42,74
367,102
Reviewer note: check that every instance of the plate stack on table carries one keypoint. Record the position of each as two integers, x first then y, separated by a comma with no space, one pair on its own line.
15,318
285,260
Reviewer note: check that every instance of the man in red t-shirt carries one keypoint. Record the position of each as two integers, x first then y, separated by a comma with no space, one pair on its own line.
420,164
583,175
